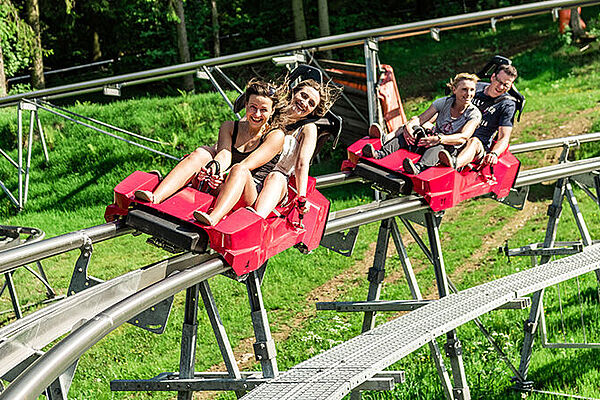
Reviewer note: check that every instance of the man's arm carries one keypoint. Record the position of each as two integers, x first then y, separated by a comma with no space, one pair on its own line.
499,147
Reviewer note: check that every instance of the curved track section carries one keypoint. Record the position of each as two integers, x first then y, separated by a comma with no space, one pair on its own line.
22,339
333,374
46,369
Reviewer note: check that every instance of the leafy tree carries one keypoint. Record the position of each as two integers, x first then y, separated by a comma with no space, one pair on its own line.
16,43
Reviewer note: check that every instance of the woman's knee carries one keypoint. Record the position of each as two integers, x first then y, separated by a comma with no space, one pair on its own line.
239,170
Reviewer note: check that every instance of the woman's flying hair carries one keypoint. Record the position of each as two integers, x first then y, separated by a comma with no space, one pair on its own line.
463,76
329,92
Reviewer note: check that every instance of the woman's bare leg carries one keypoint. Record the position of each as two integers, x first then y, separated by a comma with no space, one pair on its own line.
238,185
271,194
183,172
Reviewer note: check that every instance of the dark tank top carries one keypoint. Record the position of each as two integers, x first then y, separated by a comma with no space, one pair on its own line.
237,156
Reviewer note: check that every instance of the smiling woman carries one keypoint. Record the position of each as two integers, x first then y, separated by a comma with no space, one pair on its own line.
309,101
237,140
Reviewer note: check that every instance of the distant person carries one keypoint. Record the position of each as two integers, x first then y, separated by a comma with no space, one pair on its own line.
498,111
307,100
237,141
455,121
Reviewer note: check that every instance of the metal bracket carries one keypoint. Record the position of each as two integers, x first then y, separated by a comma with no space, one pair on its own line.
493,24
28,106
529,326
435,34
453,348
418,217
59,389
289,59
80,279
154,319
112,90
376,275
555,14
516,197
340,242
264,350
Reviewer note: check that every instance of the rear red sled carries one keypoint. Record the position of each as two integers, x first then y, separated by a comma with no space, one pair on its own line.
441,187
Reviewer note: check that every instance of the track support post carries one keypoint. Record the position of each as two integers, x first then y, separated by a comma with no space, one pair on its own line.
453,347
264,348
377,271
416,294
187,360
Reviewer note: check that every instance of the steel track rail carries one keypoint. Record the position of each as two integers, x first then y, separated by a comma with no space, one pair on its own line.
23,339
42,372
553,143
28,253
318,44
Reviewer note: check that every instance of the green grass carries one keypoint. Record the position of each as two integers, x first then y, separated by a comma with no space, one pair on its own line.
70,193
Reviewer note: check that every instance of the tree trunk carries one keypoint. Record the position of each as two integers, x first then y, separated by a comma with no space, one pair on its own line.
182,45
299,23
324,23
37,68
576,24
215,28
96,51
3,90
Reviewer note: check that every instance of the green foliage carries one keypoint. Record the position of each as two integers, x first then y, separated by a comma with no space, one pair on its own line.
16,39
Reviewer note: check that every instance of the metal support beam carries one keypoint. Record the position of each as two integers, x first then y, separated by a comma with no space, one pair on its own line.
453,346
187,360
220,333
377,271
264,348
372,69
416,294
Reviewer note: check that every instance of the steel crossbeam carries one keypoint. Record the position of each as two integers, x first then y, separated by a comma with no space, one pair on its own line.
372,351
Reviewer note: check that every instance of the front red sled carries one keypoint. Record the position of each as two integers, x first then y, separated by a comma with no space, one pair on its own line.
244,239
441,187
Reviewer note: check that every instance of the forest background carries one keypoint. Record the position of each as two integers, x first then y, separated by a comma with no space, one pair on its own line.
38,36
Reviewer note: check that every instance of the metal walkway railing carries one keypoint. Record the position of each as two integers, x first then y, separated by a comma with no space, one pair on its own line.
333,373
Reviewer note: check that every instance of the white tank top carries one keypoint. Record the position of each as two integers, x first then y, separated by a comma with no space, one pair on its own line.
289,153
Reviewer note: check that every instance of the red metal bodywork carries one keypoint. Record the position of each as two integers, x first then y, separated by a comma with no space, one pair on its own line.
444,187
244,239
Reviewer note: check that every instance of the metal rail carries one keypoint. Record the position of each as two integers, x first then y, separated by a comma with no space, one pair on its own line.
23,338
319,44
28,253
553,143
44,371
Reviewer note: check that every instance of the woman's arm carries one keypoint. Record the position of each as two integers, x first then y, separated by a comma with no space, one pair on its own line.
427,115
266,151
224,144
307,148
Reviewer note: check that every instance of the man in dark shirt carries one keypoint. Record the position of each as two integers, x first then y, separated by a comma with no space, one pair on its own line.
498,111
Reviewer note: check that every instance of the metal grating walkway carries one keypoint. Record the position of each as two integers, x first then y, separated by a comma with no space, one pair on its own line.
334,373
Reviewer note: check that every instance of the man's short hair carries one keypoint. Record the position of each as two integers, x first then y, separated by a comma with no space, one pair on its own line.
509,70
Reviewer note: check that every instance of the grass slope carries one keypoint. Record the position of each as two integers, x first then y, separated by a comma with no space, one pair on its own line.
561,85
